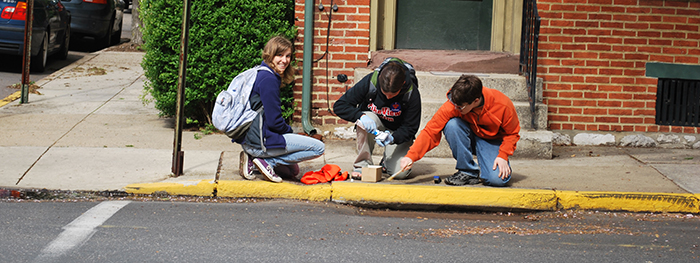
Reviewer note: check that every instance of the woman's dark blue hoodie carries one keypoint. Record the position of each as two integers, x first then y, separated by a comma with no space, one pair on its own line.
267,88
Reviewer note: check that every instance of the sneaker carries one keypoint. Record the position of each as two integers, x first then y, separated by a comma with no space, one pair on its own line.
462,178
267,170
246,166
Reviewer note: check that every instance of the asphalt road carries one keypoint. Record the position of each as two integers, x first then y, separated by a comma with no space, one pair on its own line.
289,231
11,68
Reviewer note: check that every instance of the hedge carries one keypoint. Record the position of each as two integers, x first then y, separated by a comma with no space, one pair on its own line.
226,37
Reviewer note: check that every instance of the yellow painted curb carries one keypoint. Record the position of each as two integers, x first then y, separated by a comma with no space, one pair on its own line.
193,188
630,201
351,192
265,189
10,98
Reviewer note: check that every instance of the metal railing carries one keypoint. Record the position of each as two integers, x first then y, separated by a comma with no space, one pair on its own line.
528,52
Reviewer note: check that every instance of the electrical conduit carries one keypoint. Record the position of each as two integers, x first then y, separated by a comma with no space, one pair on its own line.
308,65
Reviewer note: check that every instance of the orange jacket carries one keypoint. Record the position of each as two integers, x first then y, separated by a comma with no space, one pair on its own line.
329,172
496,119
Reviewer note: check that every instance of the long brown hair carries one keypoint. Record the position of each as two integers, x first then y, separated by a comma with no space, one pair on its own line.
276,46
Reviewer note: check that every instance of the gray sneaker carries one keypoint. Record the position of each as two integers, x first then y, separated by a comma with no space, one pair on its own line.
246,166
462,178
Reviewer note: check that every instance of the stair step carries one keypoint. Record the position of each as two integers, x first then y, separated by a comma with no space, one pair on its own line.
535,142
435,85
532,145
429,108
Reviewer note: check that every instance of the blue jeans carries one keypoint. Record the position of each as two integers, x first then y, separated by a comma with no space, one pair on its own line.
464,143
299,148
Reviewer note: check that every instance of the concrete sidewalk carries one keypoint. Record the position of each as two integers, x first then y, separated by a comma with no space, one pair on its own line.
91,131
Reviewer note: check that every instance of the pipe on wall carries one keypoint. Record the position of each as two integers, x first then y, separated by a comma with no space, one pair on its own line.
308,65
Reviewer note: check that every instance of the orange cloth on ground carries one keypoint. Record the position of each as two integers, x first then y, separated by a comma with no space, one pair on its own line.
329,172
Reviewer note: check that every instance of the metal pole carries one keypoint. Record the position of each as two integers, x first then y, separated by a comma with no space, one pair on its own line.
308,67
178,155
26,58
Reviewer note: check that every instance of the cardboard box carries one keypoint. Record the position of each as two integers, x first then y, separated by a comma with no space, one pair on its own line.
372,173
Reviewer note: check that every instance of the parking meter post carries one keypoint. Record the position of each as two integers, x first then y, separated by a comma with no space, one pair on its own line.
178,155
27,51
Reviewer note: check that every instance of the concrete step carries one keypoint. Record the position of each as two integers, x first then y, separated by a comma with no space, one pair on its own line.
434,85
532,145
429,107
535,142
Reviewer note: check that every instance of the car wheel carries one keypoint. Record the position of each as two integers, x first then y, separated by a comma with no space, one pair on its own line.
63,54
117,37
106,40
38,62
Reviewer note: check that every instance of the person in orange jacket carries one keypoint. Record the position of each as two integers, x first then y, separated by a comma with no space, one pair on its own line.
474,119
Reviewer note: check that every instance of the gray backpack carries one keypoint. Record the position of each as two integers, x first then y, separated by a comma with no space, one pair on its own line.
232,112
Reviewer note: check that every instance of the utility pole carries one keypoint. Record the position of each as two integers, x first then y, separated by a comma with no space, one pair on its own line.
26,59
178,155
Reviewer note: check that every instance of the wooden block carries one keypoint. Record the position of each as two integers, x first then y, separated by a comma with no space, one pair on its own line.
372,173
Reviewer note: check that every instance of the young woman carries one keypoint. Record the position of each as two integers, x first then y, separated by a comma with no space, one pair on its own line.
274,149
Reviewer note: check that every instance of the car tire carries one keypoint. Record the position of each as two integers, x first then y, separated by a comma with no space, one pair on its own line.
106,41
63,53
38,62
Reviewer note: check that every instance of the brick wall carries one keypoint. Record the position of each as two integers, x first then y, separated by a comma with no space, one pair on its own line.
592,57
348,48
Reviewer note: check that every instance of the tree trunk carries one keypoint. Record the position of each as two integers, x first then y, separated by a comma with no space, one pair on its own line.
136,35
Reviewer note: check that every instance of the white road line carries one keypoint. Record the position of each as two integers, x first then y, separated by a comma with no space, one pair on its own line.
80,230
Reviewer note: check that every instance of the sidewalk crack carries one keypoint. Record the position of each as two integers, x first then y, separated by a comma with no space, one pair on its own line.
72,128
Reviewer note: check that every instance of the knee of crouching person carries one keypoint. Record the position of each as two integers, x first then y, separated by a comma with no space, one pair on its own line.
496,181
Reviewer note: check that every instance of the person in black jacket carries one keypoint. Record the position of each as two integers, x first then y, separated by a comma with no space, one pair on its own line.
386,100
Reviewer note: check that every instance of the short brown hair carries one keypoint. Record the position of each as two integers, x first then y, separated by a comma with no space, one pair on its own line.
466,90
276,46
392,77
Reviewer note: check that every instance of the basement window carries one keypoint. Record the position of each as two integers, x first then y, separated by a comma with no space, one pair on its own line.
677,93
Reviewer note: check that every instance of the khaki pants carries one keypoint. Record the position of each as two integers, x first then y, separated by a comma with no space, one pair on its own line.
392,152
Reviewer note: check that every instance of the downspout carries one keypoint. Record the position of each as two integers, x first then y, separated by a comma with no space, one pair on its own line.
308,65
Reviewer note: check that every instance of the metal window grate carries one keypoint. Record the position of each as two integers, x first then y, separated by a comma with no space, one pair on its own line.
678,102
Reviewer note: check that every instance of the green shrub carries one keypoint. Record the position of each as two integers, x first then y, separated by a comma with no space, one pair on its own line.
226,37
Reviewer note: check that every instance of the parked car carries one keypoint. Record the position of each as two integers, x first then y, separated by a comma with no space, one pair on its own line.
50,30
99,19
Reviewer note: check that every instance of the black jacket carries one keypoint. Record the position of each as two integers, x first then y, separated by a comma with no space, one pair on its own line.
401,117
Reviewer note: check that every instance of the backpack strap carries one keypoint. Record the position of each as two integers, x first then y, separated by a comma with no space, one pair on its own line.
374,80
259,112
260,124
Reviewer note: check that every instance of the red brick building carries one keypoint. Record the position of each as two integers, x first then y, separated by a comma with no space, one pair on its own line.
592,55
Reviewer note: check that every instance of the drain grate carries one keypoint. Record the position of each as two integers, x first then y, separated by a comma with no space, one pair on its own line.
678,102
